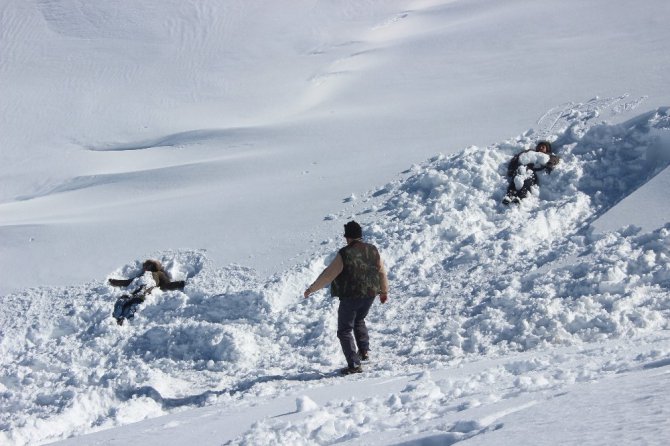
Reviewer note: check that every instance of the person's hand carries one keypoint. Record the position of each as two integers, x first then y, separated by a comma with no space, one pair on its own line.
383,297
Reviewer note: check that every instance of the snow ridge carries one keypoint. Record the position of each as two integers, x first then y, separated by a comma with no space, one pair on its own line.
469,278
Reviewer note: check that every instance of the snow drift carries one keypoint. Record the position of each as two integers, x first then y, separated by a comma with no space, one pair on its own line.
469,277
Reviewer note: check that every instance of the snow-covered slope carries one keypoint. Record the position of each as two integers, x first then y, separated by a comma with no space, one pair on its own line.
583,396
231,140
470,278
130,127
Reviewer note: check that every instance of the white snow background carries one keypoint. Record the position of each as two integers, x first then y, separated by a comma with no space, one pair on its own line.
232,140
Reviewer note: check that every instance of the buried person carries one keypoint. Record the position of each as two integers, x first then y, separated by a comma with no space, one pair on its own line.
153,275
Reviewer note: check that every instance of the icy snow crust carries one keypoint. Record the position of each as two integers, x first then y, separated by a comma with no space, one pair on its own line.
470,279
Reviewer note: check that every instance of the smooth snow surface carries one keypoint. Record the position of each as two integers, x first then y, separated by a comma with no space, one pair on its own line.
129,128
232,140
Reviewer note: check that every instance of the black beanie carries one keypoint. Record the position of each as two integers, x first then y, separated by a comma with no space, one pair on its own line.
353,230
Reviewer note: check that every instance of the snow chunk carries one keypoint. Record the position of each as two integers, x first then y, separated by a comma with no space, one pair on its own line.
305,404
535,158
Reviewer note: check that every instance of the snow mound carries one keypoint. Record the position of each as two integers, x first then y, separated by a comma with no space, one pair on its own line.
468,275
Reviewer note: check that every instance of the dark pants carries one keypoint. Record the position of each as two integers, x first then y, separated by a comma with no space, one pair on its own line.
351,316
125,307
525,189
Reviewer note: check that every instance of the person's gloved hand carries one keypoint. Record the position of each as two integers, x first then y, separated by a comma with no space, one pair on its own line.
383,298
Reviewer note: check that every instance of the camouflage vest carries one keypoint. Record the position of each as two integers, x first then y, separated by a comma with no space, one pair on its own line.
360,276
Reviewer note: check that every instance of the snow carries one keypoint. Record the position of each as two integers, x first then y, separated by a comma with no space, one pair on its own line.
232,140
536,158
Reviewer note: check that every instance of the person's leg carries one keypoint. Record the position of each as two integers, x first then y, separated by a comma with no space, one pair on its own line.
511,189
360,329
119,306
130,307
511,193
530,182
346,316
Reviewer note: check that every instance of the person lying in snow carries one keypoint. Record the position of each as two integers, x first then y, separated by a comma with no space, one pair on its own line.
153,275
521,171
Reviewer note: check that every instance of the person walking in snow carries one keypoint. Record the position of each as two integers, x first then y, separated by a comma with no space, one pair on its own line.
153,275
357,276
522,170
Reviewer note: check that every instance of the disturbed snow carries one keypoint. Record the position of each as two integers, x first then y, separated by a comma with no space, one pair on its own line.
491,308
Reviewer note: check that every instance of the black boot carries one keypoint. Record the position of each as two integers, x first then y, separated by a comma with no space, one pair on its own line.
351,370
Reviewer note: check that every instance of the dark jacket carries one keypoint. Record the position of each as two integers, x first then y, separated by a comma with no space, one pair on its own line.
360,276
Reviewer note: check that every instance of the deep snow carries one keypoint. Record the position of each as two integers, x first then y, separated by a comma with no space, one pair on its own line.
129,128
531,288
255,130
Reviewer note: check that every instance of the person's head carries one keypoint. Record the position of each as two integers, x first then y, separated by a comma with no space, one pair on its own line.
152,265
353,231
544,147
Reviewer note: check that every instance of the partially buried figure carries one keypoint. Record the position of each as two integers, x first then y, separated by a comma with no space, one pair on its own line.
153,275
522,170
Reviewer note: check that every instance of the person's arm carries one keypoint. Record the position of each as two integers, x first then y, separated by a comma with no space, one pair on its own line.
175,285
120,282
384,283
164,282
327,276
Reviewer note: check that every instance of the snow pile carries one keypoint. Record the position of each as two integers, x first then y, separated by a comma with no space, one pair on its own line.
506,278
469,277
469,399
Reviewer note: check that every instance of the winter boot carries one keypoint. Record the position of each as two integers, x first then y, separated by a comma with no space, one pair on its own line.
351,370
